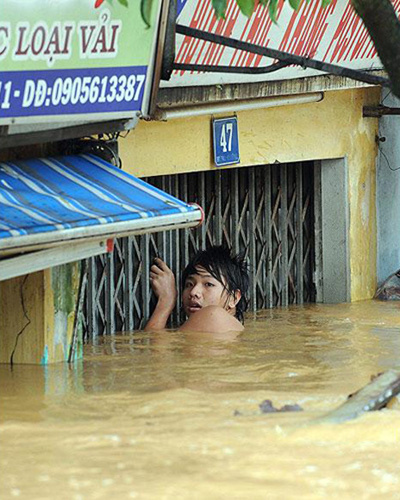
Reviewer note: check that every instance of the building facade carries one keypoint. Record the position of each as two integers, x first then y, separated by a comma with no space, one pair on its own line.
298,130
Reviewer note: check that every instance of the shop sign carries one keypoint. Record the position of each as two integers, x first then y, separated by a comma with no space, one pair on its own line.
334,34
75,59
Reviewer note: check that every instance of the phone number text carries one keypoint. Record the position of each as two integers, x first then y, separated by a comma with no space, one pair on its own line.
94,93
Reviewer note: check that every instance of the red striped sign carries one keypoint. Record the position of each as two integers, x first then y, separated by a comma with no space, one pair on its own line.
334,34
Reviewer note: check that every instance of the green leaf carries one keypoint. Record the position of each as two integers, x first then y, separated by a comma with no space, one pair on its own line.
295,4
325,3
123,2
273,10
246,6
263,2
145,11
219,8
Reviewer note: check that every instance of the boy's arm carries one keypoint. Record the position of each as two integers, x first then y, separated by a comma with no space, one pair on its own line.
162,282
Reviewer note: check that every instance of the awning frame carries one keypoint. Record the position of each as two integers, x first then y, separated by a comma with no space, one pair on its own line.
43,259
94,233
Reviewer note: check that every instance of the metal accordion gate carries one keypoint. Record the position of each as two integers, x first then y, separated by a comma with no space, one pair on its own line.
266,212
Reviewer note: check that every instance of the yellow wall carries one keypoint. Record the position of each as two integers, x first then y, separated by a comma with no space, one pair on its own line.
332,128
22,303
37,314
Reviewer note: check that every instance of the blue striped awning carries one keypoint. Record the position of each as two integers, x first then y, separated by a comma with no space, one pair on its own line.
48,201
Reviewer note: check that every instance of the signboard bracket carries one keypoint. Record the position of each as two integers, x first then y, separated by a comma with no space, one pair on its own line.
284,57
9,139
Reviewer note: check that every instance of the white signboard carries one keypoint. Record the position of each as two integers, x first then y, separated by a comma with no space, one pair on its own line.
334,34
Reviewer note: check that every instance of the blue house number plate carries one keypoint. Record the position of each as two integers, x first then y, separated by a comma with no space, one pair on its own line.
226,141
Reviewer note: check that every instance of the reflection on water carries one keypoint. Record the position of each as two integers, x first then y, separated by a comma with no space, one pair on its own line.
153,416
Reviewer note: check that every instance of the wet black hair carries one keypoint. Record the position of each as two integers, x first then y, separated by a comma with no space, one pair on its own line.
230,270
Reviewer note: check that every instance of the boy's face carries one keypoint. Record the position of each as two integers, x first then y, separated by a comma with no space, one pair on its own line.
202,289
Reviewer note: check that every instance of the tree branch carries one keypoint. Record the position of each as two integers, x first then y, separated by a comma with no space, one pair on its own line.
380,19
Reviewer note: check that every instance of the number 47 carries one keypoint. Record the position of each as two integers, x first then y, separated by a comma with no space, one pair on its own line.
226,137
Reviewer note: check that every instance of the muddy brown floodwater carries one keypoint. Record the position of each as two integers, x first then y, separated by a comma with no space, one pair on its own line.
176,416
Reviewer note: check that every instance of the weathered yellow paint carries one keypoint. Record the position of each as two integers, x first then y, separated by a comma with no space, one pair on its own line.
332,128
21,310
41,306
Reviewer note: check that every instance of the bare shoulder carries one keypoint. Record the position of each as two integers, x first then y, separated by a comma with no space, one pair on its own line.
212,319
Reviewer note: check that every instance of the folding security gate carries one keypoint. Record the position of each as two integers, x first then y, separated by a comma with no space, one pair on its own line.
266,212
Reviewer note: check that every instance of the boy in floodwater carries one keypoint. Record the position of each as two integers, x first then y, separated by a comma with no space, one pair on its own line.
214,298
